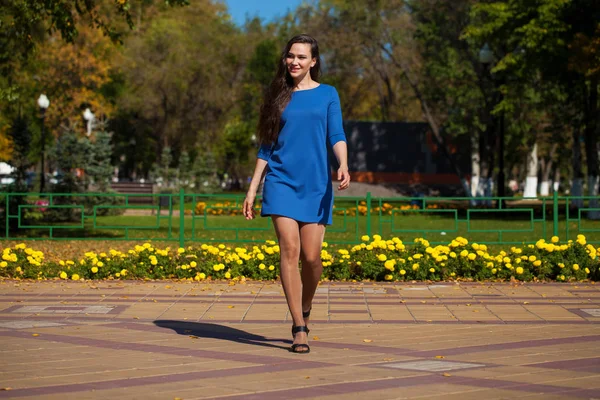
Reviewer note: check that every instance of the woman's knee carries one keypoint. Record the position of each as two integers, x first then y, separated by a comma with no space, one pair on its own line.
289,251
311,260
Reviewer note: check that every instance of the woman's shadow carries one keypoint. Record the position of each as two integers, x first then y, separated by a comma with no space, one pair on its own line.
215,331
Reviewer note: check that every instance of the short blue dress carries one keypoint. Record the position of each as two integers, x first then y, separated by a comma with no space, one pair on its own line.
298,178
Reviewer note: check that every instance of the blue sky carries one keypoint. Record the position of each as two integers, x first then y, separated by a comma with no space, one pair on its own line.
266,10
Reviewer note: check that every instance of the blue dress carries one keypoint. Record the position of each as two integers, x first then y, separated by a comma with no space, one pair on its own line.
298,178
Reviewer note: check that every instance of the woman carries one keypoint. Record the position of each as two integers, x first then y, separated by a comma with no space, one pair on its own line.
299,119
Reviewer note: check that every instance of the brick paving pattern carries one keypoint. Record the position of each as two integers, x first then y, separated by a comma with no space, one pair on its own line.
166,340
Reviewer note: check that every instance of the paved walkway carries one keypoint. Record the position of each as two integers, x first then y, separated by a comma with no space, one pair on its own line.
162,340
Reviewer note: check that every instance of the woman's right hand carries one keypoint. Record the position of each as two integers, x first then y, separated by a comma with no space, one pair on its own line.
248,207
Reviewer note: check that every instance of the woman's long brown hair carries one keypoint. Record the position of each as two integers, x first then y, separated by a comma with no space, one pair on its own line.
280,91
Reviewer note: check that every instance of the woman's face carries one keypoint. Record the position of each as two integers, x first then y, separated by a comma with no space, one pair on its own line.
299,60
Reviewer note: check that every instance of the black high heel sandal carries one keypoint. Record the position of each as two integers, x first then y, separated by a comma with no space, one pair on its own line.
304,347
306,314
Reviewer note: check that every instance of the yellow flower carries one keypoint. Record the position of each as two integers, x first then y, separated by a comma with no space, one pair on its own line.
464,253
216,267
376,238
271,267
181,250
575,267
262,266
587,270
260,256
472,256
402,272
453,274
75,277
494,270
554,239
415,267
562,277
431,270
389,264
519,270
227,275
202,275
381,257
100,264
193,264
63,275
561,265
453,254
94,270
118,275
532,258
537,263
365,238
388,277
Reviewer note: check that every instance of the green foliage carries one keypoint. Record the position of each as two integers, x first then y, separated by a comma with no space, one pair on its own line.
163,174
100,169
21,136
71,154
205,173
184,172
376,260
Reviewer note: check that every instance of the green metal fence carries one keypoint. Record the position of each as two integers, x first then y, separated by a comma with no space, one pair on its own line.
183,218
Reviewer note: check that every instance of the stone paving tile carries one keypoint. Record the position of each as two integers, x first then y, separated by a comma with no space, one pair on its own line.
144,349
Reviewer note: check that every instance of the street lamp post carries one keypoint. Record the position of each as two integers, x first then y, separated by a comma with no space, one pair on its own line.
43,103
486,57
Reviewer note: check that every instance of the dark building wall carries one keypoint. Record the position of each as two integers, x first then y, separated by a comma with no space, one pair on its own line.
401,153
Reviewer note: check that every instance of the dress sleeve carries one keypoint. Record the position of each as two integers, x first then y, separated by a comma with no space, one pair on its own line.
264,152
335,127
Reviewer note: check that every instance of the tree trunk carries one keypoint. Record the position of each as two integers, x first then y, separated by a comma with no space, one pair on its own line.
546,169
475,165
532,173
591,146
577,178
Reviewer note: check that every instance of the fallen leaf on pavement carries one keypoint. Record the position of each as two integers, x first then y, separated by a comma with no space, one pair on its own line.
367,340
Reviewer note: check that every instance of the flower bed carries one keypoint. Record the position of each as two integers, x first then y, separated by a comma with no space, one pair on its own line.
374,259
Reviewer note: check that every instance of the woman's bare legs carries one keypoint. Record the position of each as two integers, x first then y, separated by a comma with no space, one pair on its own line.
311,239
288,235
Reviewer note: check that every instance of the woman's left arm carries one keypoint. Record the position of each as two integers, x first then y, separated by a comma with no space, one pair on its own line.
340,149
337,139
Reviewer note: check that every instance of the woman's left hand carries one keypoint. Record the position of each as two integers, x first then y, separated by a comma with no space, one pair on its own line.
344,177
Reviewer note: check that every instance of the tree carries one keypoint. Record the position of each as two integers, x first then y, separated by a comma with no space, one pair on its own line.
100,169
205,173
163,173
183,75
184,172
550,42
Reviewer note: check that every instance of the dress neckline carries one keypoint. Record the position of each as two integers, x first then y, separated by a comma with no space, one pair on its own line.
307,90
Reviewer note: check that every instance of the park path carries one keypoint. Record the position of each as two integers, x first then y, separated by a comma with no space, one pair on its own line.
168,340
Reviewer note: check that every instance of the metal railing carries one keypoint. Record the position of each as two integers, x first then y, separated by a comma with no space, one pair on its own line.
217,218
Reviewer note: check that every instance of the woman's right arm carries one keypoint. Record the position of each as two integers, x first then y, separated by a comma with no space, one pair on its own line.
259,172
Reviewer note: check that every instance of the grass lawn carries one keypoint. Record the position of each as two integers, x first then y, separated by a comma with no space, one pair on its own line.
439,227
